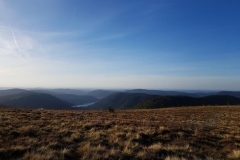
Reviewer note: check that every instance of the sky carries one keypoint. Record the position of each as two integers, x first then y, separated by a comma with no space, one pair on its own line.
149,44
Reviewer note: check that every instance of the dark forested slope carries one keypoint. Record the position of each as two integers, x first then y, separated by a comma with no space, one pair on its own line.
178,101
34,100
121,100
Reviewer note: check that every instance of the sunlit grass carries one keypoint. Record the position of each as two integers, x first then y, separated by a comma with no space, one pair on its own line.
171,133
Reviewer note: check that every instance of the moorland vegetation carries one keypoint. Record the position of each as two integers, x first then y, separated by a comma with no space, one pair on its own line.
182,133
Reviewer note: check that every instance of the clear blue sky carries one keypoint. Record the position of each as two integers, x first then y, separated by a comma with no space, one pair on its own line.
155,44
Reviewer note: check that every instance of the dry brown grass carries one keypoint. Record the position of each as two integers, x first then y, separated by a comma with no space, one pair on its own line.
172,133
234,155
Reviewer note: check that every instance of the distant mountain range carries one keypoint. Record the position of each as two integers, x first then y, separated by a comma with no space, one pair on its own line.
165,93
141,100
64,91
70,98
230,93
101,93
136,98
177,93
42,99
76,99
11,91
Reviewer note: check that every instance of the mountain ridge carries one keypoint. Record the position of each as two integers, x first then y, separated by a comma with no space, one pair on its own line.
121,100
179,101
34,101
12,91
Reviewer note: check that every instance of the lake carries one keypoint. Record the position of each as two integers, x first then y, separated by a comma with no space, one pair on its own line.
84,105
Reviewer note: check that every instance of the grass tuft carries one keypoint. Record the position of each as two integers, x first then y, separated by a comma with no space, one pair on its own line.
234,155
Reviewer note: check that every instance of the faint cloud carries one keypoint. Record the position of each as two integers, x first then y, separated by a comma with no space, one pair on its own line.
15,43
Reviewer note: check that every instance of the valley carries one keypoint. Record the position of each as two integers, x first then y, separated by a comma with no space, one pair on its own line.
103,99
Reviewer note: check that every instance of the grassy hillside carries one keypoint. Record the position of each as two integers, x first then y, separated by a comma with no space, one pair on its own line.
121,100
34,100
175,101
188,133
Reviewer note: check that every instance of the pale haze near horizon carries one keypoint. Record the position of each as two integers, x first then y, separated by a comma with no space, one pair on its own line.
112,44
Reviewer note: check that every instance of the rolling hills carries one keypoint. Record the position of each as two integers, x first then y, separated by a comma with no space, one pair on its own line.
230,93
136,98
158,92
171,93
63,91
100,93
70,98
179,101
34,101
76,99
121,100
7,92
